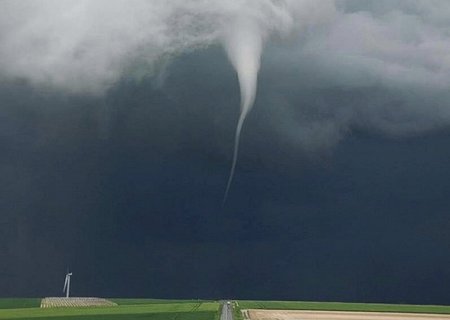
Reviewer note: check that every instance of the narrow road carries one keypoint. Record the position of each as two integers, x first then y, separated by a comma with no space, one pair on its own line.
227,311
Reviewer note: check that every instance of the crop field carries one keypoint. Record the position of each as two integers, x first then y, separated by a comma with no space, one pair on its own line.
58,302
340,306
121,301
295,310
127,309
338,315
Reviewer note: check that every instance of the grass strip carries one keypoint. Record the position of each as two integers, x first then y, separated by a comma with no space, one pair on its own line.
14,303
131,301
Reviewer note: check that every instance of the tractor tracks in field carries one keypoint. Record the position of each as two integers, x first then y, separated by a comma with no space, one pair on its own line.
196,307
193,309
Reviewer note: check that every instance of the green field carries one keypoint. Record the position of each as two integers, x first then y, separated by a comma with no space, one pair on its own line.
156,309
339,306
10,303
121,301
128,309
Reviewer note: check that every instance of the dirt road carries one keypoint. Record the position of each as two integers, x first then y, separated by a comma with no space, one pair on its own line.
338,315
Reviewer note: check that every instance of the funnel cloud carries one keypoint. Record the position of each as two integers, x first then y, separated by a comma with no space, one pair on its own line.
244,47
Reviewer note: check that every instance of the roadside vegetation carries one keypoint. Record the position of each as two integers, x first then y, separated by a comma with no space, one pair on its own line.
219,312
237,311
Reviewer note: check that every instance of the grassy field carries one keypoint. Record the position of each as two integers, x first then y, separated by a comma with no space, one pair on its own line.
121,301
156,309
128,309
338,306
10,303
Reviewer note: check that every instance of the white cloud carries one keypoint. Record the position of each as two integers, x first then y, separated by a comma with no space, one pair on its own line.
85,45
400,45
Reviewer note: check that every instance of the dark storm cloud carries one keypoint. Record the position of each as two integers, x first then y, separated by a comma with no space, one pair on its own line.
124,185
135,208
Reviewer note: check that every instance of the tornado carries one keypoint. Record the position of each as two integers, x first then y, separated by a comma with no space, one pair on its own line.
243,44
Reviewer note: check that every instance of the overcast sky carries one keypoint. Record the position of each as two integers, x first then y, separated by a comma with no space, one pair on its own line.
117,123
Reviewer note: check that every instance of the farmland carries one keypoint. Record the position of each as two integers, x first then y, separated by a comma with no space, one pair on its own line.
340,306
338,315
292,310
129,309
157,309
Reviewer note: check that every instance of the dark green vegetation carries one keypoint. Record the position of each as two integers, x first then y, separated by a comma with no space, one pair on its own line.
123,302
11,303
128,309
340,306
237,314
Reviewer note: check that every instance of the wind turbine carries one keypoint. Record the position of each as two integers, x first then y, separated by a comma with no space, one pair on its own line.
67,284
